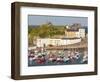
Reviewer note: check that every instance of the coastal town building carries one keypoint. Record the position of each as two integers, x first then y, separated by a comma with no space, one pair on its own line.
56,42
74,33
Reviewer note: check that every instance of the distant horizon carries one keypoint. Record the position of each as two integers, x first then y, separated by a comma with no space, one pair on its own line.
55,25
34,20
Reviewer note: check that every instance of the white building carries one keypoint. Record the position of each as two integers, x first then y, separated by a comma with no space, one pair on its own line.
47,41
56,42
82,32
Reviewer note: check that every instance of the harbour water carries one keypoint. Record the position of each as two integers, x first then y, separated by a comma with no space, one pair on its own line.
43,57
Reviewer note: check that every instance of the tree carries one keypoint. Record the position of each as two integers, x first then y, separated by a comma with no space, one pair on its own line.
47,30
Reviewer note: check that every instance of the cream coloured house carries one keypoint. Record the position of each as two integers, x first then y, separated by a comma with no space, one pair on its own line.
74,33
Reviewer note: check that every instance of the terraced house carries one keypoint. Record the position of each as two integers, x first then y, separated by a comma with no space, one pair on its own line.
74,32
